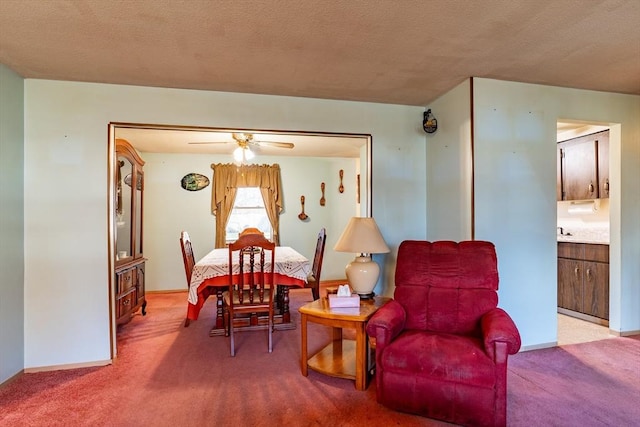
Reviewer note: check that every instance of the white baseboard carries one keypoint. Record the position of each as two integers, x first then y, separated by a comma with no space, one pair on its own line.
68,366
539,346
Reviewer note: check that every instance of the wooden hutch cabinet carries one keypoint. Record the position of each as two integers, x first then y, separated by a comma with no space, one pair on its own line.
129,262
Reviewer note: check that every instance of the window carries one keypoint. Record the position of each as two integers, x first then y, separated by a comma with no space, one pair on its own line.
248,211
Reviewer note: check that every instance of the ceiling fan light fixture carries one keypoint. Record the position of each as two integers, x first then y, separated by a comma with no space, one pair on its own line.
242,154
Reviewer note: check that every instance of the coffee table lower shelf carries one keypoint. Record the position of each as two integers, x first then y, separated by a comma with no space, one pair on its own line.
337,359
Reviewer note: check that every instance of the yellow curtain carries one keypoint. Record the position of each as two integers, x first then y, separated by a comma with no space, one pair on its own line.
228,177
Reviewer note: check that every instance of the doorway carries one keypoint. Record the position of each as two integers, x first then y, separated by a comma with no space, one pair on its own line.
582,225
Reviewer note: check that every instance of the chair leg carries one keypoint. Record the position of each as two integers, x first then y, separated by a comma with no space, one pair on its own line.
232,342
187,322
270,328
316,293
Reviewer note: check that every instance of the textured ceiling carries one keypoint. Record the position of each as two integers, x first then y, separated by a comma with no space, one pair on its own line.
390,51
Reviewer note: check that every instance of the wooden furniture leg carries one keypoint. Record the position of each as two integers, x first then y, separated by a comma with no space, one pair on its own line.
303,349
361,356
286,316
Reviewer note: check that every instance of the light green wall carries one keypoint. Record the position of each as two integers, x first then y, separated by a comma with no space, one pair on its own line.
66,180
449,167
11,223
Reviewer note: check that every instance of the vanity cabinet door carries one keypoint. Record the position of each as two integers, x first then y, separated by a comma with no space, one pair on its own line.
570,284
596,289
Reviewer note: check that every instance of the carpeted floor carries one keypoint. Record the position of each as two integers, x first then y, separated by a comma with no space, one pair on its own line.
167,375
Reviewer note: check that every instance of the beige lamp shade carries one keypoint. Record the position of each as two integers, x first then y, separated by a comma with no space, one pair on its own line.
362,236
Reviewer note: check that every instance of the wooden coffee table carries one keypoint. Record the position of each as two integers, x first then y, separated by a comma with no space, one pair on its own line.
343,358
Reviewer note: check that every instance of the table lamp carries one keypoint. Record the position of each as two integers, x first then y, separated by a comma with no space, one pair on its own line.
362,236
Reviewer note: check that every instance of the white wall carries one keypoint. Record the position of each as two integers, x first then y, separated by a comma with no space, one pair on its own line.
66,224
515,180
169,209
11,223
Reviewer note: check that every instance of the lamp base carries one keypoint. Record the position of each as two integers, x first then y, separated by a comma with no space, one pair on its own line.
362,274
367,296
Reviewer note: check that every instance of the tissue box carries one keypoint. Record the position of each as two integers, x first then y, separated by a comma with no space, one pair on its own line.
336,302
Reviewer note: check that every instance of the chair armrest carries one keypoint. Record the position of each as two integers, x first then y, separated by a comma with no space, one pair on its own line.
386,323
497,326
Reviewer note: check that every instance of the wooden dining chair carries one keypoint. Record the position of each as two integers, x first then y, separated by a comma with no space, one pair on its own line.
251,289
189,261
250,230
313,280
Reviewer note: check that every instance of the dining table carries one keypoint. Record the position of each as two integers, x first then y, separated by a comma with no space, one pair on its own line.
210,276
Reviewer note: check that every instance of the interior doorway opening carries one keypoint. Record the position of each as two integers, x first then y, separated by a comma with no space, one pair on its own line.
583,231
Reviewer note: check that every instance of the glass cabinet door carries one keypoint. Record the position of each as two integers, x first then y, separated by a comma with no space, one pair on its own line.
124,205
138,208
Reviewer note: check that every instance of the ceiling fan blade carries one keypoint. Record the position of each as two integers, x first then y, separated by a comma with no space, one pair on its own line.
275,144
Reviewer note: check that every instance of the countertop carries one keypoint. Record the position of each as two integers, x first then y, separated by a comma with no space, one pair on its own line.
596,235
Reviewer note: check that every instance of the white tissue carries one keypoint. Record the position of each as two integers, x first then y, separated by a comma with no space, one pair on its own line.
344,291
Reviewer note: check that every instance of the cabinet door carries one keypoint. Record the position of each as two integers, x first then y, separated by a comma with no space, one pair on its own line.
596,289
579,175
124,209
137,195
603,164
570,284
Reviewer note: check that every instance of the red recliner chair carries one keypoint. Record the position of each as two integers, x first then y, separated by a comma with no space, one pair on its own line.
441,343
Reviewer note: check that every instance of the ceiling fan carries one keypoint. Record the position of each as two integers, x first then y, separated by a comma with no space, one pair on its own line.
245,140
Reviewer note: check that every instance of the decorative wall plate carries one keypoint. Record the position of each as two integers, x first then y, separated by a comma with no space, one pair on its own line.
194,182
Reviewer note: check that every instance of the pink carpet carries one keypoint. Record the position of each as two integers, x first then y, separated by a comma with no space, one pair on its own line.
167,375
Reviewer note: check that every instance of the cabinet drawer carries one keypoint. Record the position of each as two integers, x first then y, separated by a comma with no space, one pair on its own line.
599,253
570,250
126,280
584,251
126,303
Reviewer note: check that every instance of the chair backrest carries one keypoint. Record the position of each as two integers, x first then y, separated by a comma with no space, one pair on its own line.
446,286
250,230
316,268
256,258
187,255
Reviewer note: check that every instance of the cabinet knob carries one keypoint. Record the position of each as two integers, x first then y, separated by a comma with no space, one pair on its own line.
591,187
576,271
588,274
606,185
